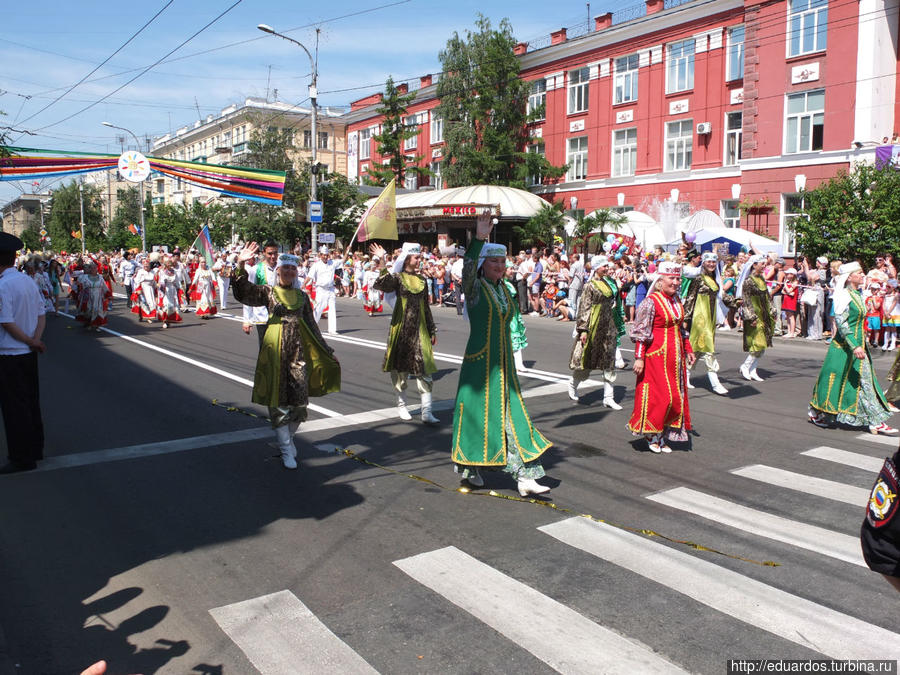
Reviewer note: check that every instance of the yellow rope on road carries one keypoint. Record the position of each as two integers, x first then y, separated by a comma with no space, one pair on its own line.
539,502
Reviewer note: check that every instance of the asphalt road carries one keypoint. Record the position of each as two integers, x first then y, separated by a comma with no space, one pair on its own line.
162,533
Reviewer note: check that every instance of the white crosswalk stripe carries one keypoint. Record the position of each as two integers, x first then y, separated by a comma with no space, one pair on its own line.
281,636
882,440
829,489
839,456
791,617
562,638
802,535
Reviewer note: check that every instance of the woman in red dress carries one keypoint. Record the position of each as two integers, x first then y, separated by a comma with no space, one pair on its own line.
662,353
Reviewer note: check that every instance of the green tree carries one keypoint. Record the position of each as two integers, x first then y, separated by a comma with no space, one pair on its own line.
65,218
542,226
127,213
394,132
852,216
590,227
483,105
31,237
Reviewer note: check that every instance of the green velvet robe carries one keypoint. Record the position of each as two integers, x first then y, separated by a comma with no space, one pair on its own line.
489,395
602,316
412,326
846,386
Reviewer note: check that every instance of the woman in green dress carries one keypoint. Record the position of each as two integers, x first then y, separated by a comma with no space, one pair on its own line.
294,362
847,391
516,325
491,426
758,314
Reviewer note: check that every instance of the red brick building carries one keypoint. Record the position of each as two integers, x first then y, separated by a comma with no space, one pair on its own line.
737,104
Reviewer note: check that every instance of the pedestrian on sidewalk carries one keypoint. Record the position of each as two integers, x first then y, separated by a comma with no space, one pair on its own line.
22,320
413,333
489,398
294,360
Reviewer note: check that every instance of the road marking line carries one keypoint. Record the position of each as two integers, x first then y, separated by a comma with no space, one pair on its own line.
559,636
281,636
791,617
853,459
367,417
878,438
829,489
200,364
833,544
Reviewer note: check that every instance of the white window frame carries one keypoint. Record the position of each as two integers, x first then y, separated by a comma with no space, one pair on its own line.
810,14
735,55
624,152
680,146
625,83
307,139
801,117
787,236
540,149
578,89
577,158
410,123
365,143
437,129
537,98
437,178
411,180
732,221
675,64
735,137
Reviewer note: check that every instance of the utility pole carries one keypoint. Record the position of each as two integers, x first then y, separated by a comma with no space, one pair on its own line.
81,208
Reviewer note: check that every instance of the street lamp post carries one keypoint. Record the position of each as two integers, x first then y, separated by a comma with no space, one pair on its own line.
81,211
313,94
143,230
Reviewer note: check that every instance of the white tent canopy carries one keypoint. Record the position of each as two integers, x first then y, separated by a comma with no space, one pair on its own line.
514,203
731,234
642,228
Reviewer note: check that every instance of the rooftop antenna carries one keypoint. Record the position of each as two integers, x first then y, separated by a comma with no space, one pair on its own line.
197,106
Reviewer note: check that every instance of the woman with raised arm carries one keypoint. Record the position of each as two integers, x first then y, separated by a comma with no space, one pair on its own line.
758,315
294,361
491,426
413,333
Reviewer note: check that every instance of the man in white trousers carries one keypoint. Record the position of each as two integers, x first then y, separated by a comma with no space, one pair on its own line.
321,277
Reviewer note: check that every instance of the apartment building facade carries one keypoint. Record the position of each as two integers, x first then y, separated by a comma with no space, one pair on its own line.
735,106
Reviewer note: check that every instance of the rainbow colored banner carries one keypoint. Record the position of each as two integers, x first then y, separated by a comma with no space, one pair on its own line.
258,185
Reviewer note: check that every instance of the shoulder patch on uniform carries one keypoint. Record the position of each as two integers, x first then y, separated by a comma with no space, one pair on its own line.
883,501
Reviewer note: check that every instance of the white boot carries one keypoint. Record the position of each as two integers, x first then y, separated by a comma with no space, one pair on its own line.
520,363
753,373
687,380
401,407
427,417
286,445
716,385
620,362
529,486
749,362
608,400
573,389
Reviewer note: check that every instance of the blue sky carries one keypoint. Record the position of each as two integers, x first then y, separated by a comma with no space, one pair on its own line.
45,47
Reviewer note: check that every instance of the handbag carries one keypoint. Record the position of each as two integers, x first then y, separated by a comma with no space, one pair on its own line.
809,297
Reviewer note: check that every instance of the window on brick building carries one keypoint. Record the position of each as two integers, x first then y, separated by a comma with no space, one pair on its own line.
437,129
307,139
365,143
411,180
323,140
578,90
680,66
537,99
805,124
410,124
679,145
807,26
793,209
624,154
735,69
731,212
733,137
577,158
436,178
626,80
537,149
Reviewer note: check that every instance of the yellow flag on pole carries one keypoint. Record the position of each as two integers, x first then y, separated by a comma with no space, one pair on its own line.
380,221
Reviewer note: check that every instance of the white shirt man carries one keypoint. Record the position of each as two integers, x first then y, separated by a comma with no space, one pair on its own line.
260,274
456,270
321,277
